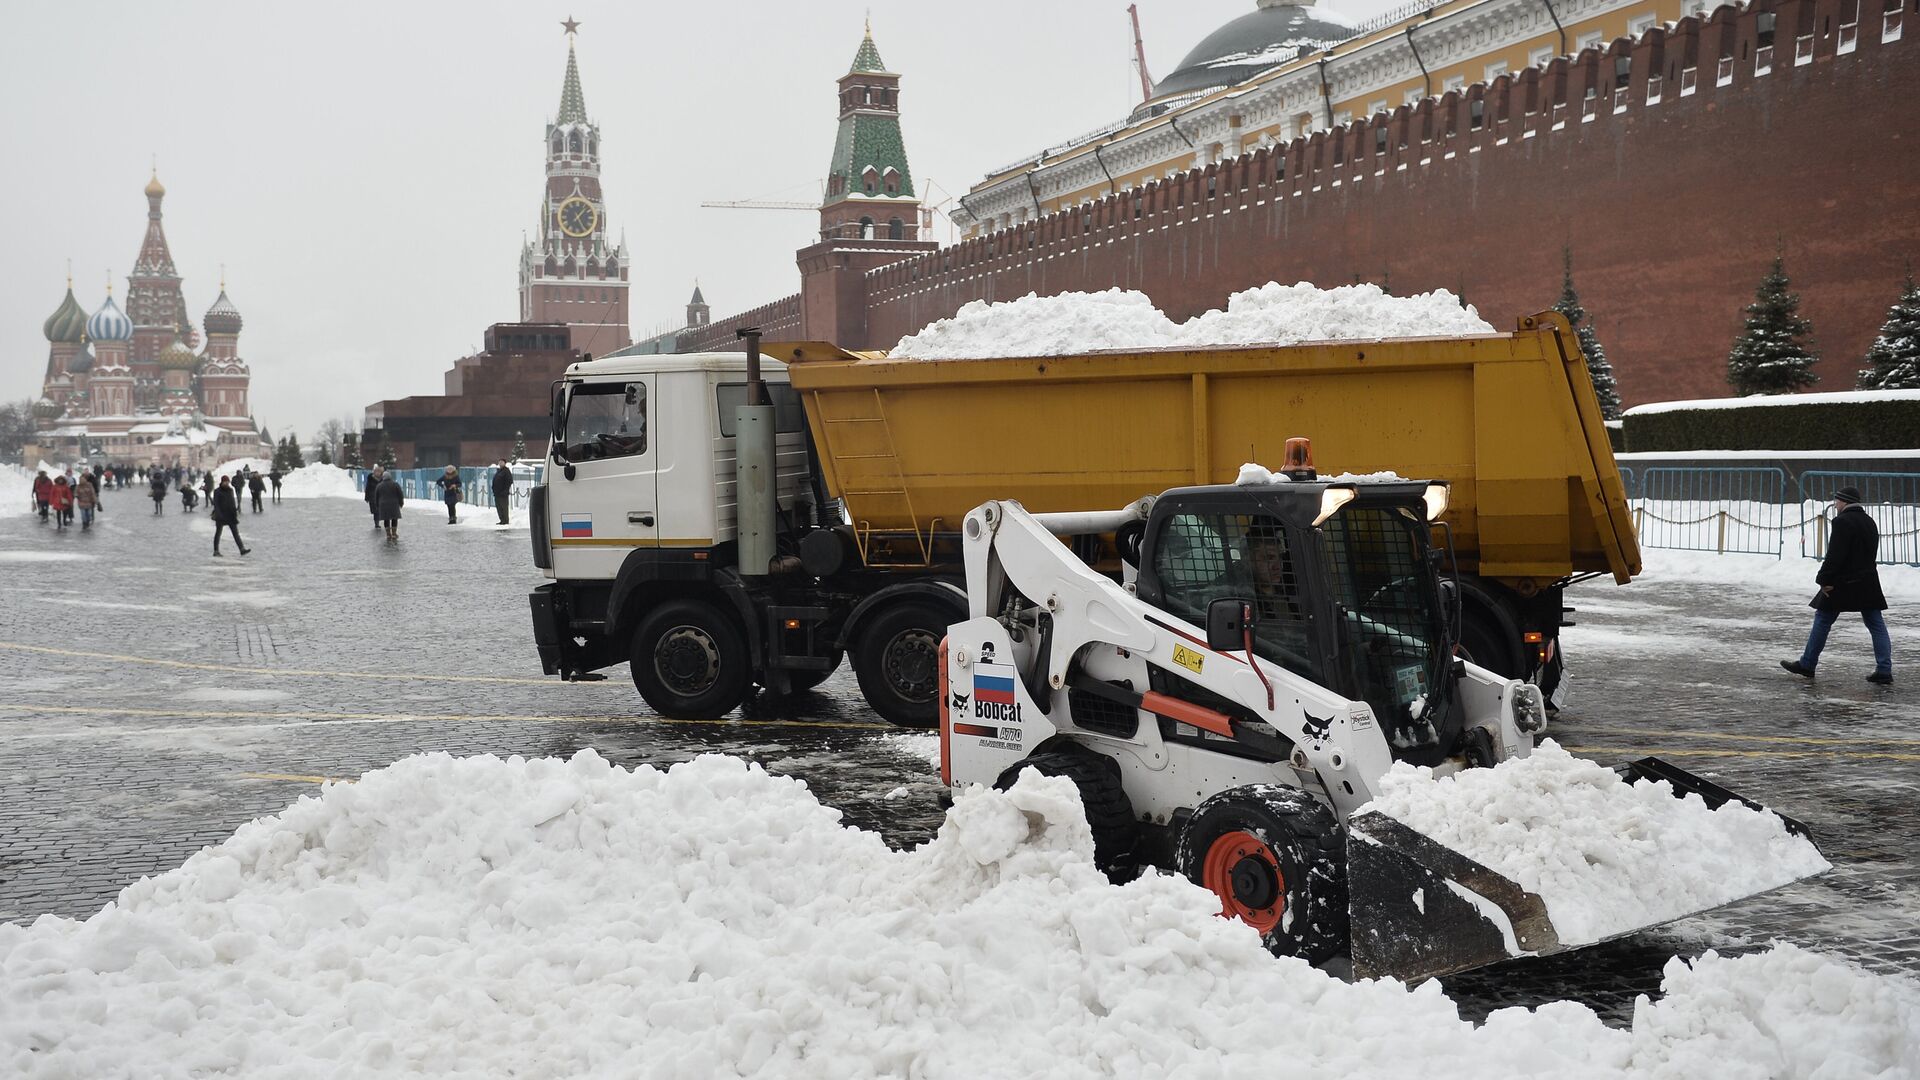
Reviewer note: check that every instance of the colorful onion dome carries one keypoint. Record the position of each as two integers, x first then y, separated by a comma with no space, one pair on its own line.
47,408
223,317
177,357
67,323
110,323
82,361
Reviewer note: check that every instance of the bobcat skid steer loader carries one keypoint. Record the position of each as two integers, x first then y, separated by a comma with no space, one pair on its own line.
1228,711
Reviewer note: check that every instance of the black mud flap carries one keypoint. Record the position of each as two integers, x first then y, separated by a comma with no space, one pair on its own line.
1419,909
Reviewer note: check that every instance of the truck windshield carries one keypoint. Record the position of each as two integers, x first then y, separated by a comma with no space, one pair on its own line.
1390,619
605,420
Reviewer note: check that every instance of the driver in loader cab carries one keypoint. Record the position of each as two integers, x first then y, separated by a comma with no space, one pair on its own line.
1272,568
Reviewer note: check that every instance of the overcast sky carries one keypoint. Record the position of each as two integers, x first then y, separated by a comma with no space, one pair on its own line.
365,172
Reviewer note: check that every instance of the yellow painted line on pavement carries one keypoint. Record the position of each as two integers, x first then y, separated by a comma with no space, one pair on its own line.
296,778
401,718
291,672
1792,740
1671,752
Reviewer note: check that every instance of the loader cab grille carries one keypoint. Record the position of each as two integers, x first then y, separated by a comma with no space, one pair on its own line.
1390,627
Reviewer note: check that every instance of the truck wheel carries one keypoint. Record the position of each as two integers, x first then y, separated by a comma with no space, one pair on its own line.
1485,641
689,661
898,662
1272,855
1109,811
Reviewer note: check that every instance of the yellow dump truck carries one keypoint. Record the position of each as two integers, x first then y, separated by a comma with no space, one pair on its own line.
869,466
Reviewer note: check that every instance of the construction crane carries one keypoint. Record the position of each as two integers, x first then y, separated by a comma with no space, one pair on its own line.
1140,55
761,204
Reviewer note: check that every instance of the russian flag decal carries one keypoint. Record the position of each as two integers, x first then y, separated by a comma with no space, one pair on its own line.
993,688
576,525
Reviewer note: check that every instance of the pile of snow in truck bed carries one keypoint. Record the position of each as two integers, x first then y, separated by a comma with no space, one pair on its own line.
1606,856
1121,319
481,917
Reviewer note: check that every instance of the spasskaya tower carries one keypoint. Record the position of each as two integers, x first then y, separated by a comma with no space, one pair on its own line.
573,273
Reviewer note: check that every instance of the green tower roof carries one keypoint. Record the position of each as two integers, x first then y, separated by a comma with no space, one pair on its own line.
573,104
868,58
68,323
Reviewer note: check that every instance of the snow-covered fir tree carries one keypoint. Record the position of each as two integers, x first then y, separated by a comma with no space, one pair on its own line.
386,452
322,453
1598,368
1893,360
1772,354
295,460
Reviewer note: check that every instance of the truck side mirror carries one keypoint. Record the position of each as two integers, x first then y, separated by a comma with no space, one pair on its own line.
1229,621
567,470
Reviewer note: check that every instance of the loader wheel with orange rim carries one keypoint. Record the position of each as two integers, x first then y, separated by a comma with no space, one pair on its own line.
1273,856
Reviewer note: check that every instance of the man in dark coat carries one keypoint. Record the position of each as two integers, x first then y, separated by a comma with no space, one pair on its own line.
502,489
157,488
387,500
256,487
1849,580
378,474
226,515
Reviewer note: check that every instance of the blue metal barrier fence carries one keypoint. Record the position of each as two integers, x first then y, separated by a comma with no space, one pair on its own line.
476,484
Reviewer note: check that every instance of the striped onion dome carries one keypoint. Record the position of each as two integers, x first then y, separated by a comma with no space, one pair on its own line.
46,408
177,357
223,317
110,323
67,322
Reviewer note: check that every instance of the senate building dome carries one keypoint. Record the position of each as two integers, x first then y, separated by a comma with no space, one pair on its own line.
1276,32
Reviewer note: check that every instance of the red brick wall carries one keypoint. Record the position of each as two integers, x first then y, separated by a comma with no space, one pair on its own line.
777,321
1672,210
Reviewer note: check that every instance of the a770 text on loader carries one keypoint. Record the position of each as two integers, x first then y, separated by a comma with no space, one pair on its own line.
1229,708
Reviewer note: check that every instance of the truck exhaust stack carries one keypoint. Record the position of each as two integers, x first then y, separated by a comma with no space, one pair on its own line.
755,496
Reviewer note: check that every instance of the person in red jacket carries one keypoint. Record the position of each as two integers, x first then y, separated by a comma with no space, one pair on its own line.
62,501
42,493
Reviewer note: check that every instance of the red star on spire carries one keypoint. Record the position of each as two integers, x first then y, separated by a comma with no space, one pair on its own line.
571,25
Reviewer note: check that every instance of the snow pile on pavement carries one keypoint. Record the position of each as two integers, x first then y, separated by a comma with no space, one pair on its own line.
481,917
1791,576
1123,319
16,486
1606,856
319,482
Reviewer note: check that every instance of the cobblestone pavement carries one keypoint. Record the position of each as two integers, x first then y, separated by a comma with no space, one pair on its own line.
153,698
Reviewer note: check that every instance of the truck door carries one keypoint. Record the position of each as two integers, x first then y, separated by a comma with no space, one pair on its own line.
609,434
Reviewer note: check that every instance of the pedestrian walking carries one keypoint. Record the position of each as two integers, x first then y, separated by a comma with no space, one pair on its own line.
449,483
502,488
1849,580
256,486
86,499
157,491
275,476
43,493
62,501
388,498
206,487
226,515
374,478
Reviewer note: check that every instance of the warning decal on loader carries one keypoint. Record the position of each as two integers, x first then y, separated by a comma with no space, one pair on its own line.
1188,659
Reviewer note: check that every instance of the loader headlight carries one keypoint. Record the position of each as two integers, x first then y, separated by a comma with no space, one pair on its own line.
1436,500
1331,500
1529,709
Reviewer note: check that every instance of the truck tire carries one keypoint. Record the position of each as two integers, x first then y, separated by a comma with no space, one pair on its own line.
1109,811
1273,856
690,662
1489,642
898,662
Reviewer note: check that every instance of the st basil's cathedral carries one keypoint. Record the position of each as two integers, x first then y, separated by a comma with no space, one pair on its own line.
127,385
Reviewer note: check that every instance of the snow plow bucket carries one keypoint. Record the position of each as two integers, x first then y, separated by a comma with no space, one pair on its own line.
1419,909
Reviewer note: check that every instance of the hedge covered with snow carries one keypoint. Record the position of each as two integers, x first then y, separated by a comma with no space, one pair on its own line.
1865,420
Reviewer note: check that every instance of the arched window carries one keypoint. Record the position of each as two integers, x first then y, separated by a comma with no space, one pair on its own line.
573,143
559,144
866,228
896,230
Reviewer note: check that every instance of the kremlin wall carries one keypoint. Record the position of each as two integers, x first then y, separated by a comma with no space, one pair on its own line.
1671,167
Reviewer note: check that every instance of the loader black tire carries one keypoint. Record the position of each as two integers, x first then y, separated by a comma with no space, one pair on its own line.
1275,857
1116,833
690,661
897,661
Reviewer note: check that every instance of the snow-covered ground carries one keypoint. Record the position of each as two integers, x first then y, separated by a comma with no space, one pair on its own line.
480,917
319,482
1791,576
1122,319
1606,856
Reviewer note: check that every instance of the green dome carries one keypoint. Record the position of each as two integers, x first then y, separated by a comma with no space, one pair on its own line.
68,323
177,357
